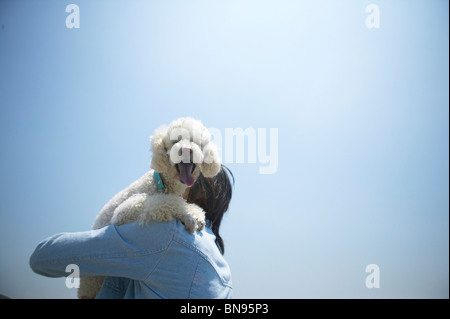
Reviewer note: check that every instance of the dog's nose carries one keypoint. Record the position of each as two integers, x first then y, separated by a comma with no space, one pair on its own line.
186,155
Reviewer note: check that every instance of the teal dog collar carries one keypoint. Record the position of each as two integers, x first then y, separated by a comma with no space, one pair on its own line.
159,182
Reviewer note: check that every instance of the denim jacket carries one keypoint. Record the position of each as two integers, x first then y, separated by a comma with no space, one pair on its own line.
160,260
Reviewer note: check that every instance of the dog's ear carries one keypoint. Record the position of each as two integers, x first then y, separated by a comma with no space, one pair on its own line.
160,158
211,161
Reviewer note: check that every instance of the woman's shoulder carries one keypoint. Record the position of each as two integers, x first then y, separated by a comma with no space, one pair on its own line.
203,243
199,240
149,237
164,234
176,242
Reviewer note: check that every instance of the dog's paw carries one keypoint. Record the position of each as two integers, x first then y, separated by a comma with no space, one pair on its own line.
190,223
199,214
194,219
200,218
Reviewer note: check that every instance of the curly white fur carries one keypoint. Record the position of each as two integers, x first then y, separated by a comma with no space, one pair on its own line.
142,202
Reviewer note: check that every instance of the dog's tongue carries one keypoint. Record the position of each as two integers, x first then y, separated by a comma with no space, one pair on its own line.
186,173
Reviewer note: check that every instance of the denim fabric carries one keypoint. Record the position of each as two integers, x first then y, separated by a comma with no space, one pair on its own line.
160,260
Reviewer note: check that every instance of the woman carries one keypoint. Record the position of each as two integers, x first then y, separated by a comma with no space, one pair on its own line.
161,260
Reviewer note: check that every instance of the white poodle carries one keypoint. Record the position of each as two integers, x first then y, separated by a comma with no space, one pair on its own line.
181,152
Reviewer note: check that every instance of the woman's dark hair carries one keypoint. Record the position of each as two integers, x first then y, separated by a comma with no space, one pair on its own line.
213,195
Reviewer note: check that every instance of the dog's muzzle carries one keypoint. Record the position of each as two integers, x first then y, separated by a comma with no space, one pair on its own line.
185,169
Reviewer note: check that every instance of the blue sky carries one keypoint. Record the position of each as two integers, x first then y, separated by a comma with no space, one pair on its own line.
362,118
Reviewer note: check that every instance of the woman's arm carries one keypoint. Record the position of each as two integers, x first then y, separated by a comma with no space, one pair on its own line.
130,251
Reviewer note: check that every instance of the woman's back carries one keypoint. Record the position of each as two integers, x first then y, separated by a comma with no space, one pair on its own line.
160,260
182,266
